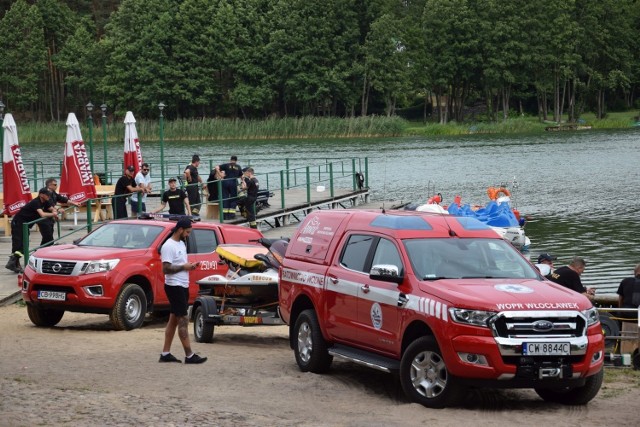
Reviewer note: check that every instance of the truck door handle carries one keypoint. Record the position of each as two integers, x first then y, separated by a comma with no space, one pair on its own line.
334,280
365,289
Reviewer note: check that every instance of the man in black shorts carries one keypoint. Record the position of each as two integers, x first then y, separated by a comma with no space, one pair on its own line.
176,267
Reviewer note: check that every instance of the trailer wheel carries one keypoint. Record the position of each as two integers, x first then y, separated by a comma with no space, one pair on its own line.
635,359
574,395
610,328
202,331
310,347
424,376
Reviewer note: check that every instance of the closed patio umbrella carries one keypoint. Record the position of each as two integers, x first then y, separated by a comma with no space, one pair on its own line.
132,153
15,184
76,183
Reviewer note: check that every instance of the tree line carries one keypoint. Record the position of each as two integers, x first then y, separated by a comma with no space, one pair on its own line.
338,58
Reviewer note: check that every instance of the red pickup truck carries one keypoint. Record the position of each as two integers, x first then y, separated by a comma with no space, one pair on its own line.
441,300
117,270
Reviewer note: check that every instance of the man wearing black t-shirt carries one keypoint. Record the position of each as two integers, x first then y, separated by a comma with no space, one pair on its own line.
125,185
194,181
37,208
176,198
569,277
250,184
629,293
232,171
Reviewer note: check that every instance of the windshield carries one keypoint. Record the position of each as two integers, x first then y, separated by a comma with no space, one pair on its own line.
125,236
433,259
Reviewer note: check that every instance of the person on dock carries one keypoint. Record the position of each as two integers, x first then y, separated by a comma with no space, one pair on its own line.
125,186
176,198
251,185
629,292
46,226
569,277
545,263
232,171
143,180
212,183
194,182
40,207
176,267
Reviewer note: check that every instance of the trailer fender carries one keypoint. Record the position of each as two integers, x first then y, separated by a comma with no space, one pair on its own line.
209,307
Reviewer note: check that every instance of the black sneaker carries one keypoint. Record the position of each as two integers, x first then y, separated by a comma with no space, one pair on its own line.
168,358
194,359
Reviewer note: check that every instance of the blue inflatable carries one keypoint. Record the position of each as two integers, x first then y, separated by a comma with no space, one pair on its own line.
494,214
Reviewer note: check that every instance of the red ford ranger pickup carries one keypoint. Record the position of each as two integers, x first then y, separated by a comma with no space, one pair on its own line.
440,300
117,270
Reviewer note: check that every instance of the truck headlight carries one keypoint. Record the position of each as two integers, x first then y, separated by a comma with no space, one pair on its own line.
471,317
592,316
101,266
33,262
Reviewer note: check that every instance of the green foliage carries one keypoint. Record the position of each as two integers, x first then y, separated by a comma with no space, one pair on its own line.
22,57
257,59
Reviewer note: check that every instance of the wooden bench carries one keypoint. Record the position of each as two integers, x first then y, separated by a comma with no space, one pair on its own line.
103,201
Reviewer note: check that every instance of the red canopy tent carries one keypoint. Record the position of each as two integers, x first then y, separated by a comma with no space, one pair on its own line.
15,184
132,153
76,182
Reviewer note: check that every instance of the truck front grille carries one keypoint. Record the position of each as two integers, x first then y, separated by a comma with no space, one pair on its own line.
62,268
552,324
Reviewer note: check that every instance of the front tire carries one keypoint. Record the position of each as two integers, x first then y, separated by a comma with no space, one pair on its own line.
574,395
130,308
424,376
44,317
310,347
202,331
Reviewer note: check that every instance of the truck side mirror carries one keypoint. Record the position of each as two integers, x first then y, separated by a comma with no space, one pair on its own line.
386,273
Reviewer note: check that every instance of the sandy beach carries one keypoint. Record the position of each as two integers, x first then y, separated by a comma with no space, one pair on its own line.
84,373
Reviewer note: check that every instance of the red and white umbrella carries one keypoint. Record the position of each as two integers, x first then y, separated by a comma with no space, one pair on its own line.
76,182
15,184
132,153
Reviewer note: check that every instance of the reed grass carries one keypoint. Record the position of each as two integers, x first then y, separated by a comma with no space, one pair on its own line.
225,129
211,129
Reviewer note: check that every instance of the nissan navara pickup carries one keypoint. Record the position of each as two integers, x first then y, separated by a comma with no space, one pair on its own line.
117,270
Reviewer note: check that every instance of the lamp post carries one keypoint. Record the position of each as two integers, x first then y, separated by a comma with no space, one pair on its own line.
161,107
103,107
90,119
1,123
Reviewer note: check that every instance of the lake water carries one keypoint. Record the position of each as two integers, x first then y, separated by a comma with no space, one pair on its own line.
580,190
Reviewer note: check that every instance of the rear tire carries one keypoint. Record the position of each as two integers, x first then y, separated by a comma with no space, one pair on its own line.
130,308
44,317
310,347
202,331
573,395
424,376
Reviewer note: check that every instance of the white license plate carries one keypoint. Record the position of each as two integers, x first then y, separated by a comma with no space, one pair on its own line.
50,295
546,349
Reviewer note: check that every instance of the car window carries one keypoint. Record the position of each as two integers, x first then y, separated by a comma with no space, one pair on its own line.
202,241
354,255
433,259
387,253
125,236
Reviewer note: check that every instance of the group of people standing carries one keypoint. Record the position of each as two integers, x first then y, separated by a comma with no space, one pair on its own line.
569,277
223,181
